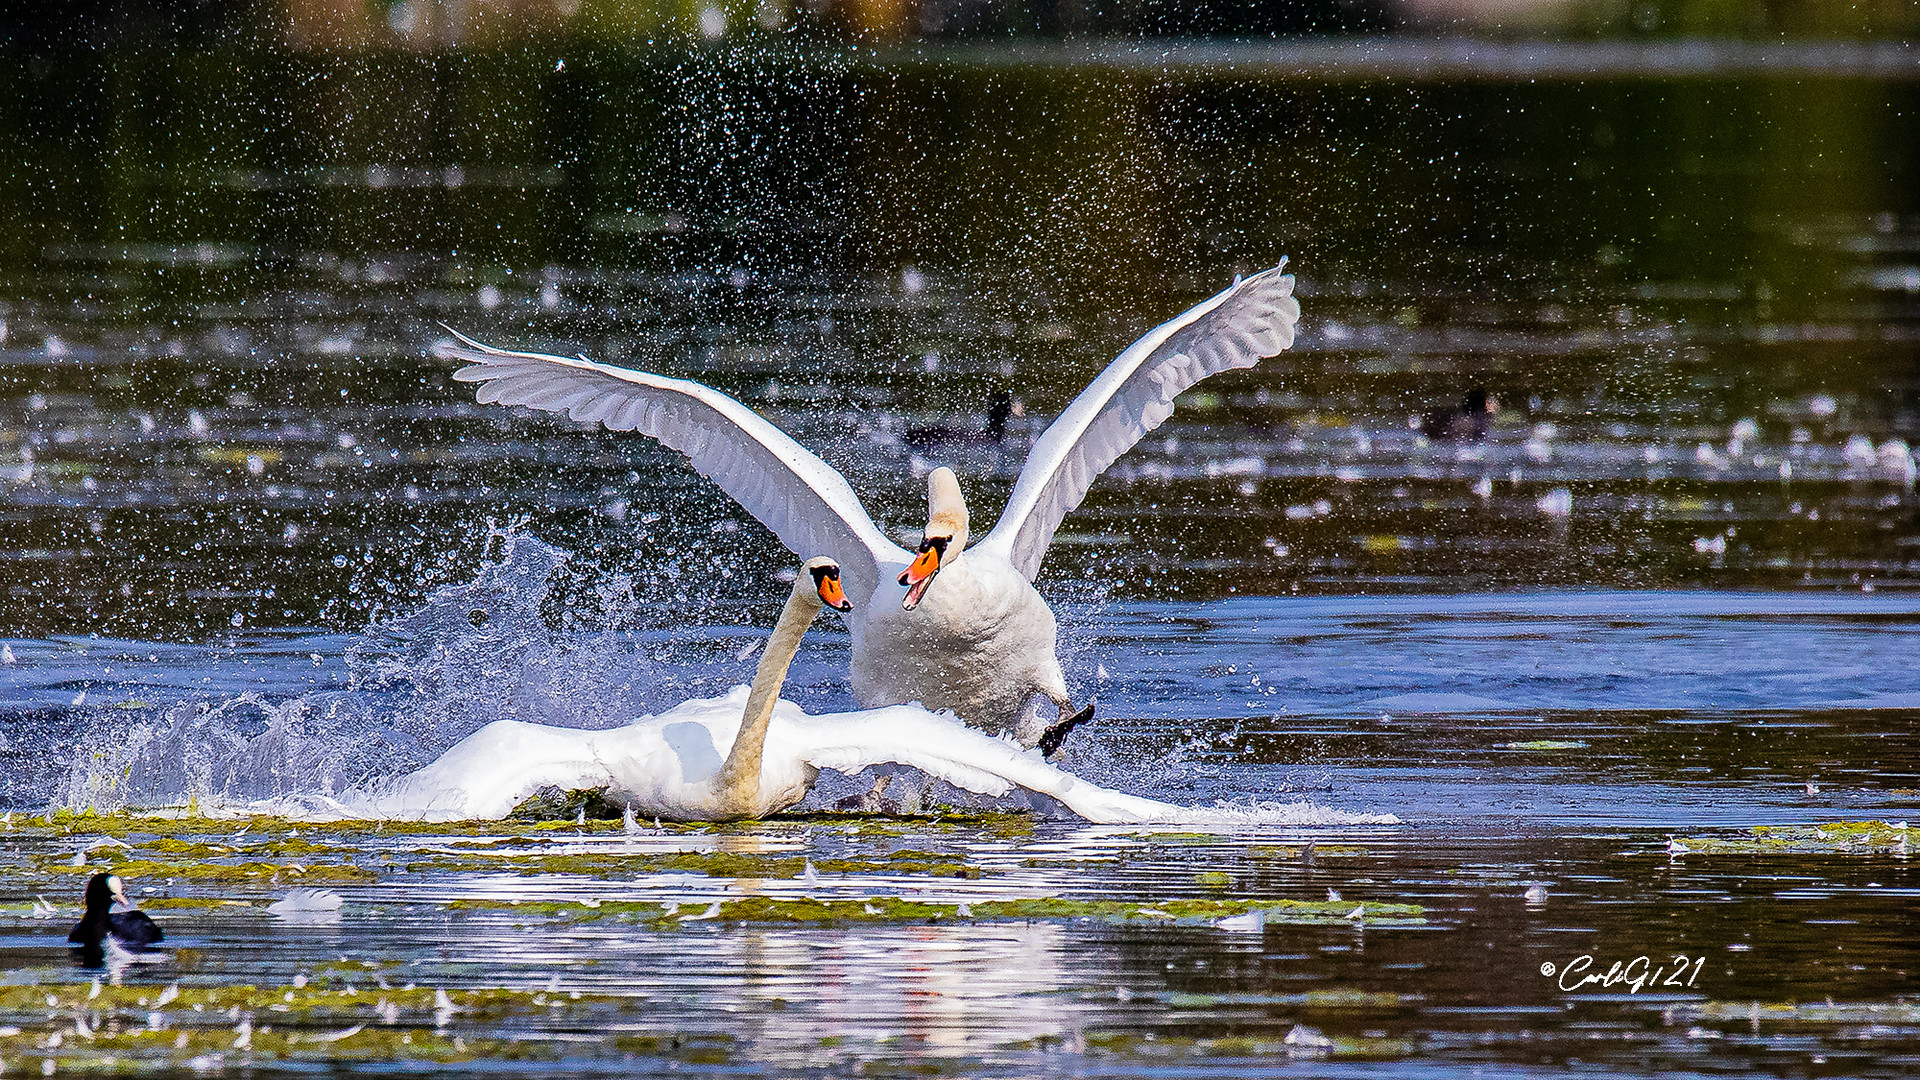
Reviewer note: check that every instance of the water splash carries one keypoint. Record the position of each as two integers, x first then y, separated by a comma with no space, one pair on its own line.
473,653
493,648
489,649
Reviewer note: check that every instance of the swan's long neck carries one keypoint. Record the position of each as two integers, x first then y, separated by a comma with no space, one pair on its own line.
739,779
946,509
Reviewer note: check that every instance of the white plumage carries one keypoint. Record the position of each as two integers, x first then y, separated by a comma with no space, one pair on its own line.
1236,328
664,765
983,641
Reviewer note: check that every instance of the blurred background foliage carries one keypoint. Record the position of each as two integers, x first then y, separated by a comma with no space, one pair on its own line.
436,24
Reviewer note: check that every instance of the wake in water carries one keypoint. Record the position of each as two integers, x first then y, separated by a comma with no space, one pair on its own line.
485,651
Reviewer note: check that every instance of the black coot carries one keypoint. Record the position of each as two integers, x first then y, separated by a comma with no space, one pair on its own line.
131,928
948,433
1472,420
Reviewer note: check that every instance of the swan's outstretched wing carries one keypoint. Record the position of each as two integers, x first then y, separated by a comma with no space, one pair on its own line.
808,505
942,747
1238,328
487,774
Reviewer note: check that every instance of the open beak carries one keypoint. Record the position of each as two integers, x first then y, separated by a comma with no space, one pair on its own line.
120,895
830,592
917,576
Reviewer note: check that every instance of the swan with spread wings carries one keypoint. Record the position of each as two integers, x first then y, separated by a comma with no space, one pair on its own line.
949,626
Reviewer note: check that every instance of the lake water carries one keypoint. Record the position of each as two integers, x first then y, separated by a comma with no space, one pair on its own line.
252,535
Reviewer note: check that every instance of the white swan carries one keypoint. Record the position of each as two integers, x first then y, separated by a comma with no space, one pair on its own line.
982,642
669,766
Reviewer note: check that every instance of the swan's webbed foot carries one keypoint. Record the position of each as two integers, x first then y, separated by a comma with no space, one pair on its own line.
874,800
1052,738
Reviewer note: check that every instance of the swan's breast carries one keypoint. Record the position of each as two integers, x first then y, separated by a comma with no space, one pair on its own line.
980,642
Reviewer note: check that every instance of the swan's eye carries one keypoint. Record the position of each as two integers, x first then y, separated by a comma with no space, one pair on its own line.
937,543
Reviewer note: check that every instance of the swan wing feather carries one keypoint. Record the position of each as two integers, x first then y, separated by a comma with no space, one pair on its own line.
488,773
800,498
942,747
1247,322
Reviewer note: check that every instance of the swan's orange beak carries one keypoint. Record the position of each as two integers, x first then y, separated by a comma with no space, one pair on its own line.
917,576
826,582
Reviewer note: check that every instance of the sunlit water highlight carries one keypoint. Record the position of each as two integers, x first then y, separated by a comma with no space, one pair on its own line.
256,545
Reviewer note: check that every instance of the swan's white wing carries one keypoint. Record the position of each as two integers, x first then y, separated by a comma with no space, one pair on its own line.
808,505
488,773
1238,328
942,747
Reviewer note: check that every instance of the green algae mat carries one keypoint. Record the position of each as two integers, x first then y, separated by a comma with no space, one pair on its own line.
190,862
1832,838
243,982
963,944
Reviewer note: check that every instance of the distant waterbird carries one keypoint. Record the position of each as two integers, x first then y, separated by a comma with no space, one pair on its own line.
1473,419
100,924
949,435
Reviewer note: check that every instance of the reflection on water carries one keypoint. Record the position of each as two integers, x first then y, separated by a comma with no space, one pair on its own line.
1462,985
1538,805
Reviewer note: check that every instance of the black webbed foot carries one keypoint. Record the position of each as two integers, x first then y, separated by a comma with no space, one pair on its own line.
1053,737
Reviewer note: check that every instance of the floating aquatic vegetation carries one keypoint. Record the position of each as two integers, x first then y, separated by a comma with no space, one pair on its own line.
254,871
291,845
1299,1041
1837,837
711,863
331,1017
191,823
229,830
1811,1012
1545,745
882,909
1344,1000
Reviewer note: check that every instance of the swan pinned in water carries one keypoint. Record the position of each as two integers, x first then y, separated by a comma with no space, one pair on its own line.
670,766
980,642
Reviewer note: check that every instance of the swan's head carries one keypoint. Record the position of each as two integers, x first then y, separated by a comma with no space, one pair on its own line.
823,574
945,537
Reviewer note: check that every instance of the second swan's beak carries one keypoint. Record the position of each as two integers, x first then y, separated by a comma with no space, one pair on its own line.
826,582
917,576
